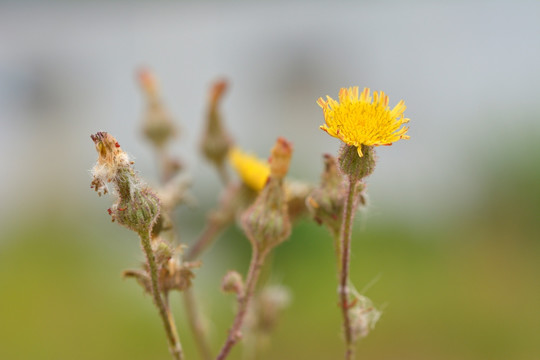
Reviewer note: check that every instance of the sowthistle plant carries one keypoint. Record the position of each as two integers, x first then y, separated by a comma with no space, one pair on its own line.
261,201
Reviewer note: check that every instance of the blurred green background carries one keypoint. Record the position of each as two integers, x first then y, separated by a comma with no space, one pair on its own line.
453,229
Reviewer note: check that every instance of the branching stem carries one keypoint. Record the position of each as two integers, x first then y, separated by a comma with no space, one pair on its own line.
168,322
235,333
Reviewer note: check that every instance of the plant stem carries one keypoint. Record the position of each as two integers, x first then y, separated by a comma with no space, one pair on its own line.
223,174
235,333
194,317
196,324
168,322
346,230
212,229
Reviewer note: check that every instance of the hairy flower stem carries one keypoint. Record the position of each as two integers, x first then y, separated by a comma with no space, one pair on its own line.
345,245
235,333
168,322
213,228
196,324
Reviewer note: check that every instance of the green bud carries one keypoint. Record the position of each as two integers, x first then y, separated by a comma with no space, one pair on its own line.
232,283
266,223
136,208
354,166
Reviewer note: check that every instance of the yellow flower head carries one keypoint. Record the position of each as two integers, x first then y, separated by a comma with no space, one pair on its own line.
253,171
363,121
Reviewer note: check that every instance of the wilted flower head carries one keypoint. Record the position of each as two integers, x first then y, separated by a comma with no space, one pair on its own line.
136,206
364,316
111,158
363,120
173,274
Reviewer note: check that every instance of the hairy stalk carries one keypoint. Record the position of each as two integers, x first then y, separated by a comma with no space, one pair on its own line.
235,333
190,304
168,322
346,230
196,324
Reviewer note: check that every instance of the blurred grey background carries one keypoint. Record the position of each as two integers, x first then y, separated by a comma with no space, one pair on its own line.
468,72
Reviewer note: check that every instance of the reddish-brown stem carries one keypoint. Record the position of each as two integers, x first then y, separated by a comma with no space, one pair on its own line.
346,230
235,333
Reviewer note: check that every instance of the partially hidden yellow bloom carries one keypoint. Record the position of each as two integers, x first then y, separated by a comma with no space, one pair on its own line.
363,120
253,171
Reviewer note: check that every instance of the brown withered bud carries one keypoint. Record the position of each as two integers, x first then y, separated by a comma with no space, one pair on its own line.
136,206
280,158
158,126
172,273
233,283
326,202
216,142
266,222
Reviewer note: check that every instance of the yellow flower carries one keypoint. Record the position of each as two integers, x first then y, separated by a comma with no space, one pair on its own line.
363,121
253,171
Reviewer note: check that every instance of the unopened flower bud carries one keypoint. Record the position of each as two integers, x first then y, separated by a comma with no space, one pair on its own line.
158,126
326,202
266,223
137,207
216,142
280,158
232,283
354,166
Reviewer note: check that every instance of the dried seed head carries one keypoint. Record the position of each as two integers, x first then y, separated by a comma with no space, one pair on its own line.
136,206
172,273
363,316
